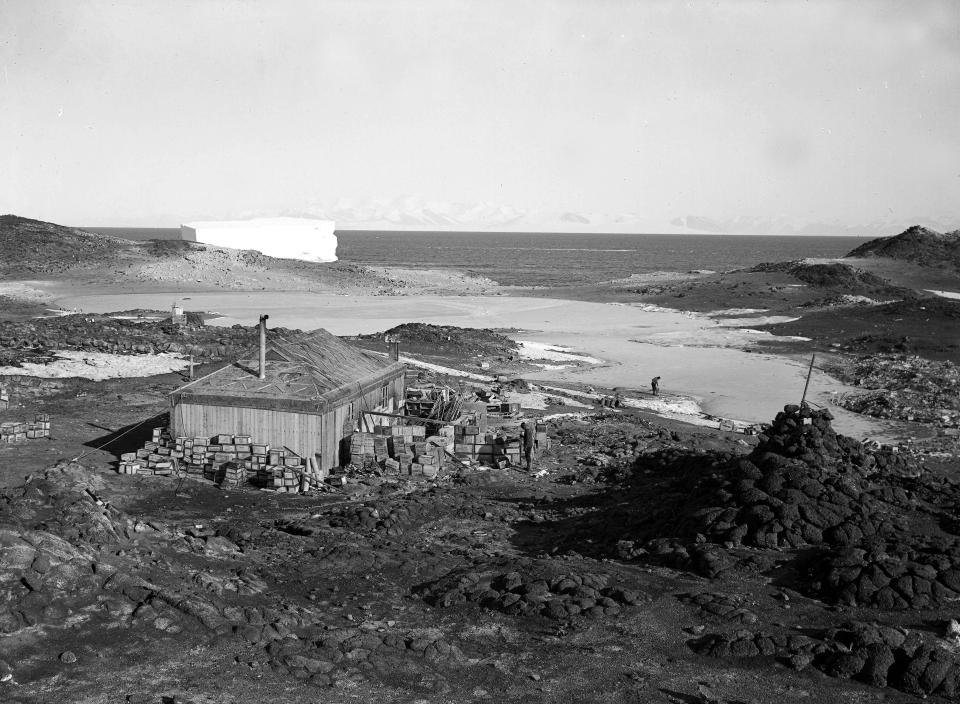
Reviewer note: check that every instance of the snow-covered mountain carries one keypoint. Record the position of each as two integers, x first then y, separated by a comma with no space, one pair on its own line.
413,213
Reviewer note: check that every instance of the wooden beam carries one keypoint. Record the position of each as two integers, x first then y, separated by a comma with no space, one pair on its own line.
415,419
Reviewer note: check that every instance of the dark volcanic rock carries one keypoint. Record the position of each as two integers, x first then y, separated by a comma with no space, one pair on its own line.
802,485
872,653
915,244
540,591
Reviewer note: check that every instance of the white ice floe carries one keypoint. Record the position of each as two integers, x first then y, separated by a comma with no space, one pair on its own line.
736,311
944,294
756,320
571,416
556,353
99,366
652,308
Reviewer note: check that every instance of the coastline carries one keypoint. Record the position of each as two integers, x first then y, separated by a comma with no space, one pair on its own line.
703,359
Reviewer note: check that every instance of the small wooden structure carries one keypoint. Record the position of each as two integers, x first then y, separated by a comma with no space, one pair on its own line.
306,394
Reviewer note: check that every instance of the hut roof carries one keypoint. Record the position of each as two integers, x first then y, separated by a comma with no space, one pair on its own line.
303,372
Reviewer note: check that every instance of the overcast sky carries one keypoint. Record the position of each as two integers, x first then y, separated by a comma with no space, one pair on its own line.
153,113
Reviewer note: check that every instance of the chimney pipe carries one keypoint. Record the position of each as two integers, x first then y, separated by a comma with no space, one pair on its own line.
395,351
263,346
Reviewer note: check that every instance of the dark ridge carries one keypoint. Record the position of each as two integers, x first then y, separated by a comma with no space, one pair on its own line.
916,244
37,247
834,275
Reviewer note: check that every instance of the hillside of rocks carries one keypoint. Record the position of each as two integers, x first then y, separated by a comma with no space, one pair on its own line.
42,252
32,249
915,244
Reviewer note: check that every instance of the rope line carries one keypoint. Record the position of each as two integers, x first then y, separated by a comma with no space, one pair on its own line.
112,440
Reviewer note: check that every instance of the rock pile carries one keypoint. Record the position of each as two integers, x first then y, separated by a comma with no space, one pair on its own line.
557,596
802,485
326,655
723,607
878,655
907,573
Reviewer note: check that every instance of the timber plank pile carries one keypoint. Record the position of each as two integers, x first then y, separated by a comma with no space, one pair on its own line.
228,460
438,403
17,431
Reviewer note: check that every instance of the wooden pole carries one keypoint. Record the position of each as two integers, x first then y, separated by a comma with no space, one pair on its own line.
807,385
263,346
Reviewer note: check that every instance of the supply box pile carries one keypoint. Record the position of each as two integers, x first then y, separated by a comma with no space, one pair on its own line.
16,431
501,450
232,460
402,450
505,409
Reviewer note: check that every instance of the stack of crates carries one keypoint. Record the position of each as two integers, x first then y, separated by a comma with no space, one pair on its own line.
232,460
426,462
401,450
287,472
505,409
15,431
410,453
490,449
494,450
222,458
234,474
362,449
283,479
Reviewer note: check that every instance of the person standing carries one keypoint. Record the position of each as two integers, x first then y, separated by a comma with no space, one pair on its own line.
655,385
527,438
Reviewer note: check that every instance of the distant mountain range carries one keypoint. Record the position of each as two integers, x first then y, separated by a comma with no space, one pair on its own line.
415,213
748,225
412,213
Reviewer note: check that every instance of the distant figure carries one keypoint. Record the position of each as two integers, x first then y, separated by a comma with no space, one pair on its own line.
527,438
655,385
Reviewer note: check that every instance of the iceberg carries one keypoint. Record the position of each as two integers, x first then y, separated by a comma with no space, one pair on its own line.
284,238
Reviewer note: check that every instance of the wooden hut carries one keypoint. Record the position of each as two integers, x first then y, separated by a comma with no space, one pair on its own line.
305,394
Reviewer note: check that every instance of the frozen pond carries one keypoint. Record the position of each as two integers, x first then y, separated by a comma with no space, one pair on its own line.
697,356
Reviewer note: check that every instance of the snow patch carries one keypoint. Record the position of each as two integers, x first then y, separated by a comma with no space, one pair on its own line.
555,353
944,294
736,311
99,366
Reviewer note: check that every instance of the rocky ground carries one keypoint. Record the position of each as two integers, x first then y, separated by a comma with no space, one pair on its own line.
445,341
648,560
121,333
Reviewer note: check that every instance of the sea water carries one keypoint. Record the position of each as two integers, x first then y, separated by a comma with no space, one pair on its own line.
558,259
